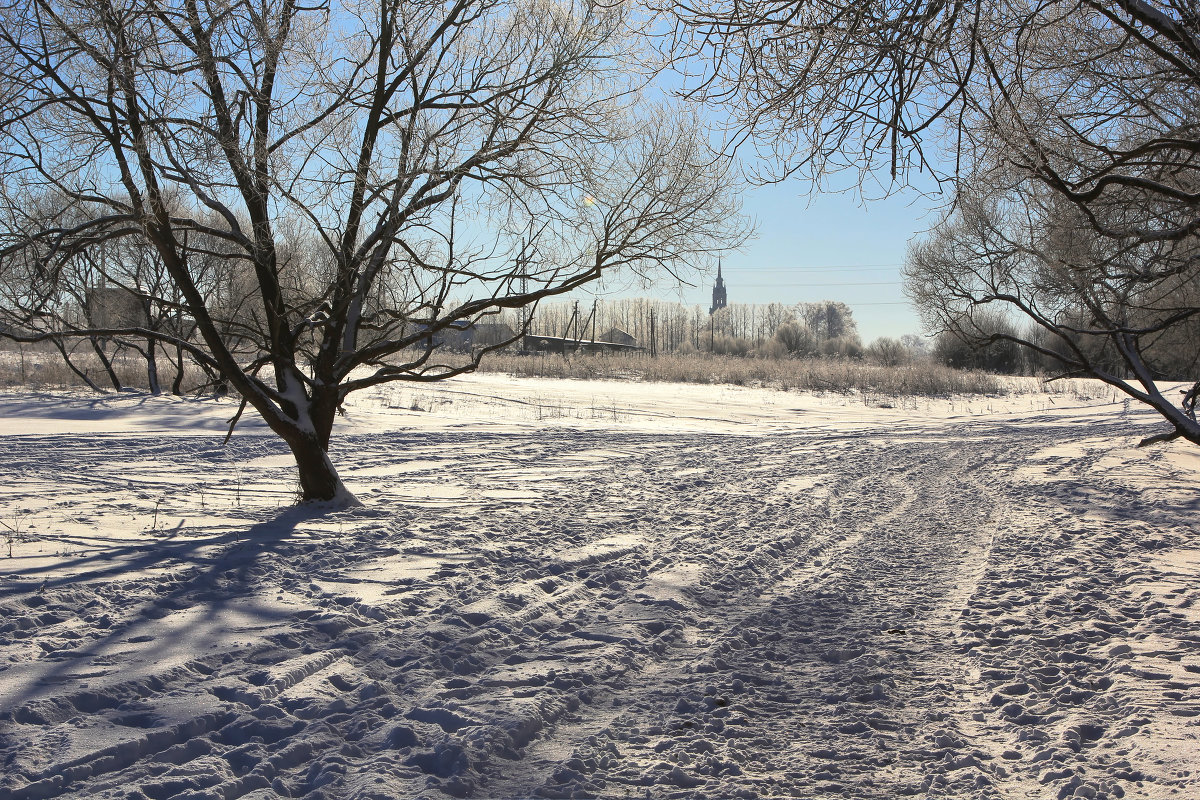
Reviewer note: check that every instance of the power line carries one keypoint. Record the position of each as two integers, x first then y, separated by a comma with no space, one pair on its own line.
805,284
817,268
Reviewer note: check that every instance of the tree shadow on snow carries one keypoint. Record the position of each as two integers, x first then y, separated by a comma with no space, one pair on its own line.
209,584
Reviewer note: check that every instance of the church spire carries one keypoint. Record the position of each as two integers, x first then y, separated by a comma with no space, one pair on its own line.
718,291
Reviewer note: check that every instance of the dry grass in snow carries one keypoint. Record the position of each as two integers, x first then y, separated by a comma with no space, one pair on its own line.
872,382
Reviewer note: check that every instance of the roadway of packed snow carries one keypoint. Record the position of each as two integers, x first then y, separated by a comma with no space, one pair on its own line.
581,589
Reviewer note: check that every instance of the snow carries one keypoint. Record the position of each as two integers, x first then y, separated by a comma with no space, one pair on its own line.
601,589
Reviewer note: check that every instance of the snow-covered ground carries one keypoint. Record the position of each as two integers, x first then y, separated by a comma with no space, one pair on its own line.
587,589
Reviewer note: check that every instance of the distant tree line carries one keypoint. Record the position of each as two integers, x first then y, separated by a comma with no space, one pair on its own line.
996,343
828,330
768,330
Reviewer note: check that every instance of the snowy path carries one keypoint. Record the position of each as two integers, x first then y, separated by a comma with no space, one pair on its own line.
966,610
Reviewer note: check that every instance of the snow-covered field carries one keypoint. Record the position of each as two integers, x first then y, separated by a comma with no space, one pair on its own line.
584,589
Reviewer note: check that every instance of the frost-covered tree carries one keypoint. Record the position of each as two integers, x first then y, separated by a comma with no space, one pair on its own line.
1082,108
1124,311
796,338
444,160
888,352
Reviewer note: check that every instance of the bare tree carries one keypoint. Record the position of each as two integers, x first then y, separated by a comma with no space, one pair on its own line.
887,352
448,159
1125,312
1088,105
796,338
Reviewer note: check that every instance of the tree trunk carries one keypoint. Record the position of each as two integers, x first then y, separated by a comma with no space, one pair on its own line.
108,366
62,349
319,481
177,384
152,367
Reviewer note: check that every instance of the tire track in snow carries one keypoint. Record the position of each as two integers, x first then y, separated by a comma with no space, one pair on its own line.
564,604
694,651
689,615
706,701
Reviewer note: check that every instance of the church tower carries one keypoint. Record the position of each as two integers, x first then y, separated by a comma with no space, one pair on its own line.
718,292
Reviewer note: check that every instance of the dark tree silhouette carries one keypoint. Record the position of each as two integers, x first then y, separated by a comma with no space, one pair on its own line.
369,175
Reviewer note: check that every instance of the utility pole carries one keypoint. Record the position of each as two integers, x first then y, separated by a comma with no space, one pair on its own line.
653,342
525,320
524,316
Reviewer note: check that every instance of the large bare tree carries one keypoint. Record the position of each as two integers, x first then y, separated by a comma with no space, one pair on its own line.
371,174
1124,311
1061,118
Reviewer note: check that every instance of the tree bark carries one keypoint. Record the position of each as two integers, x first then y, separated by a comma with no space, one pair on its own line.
152,367
1159,438
108,366
177,383
319,481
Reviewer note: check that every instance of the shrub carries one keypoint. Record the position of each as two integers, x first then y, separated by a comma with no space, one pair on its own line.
797,339
1002,356
888,352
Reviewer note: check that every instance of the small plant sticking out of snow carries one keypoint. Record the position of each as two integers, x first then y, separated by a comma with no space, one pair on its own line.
237,485
14,527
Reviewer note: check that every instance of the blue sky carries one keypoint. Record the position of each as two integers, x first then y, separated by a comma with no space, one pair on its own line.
810,246
831,246
826,246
